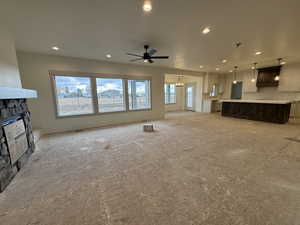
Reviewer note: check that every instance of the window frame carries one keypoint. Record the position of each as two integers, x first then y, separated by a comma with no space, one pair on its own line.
127,94
93,77
175,94
124,95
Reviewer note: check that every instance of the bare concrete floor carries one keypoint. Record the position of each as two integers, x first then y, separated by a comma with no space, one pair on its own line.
196,169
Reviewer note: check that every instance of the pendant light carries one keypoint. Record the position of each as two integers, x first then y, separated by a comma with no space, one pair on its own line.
254,71
179,82
235,71
279,63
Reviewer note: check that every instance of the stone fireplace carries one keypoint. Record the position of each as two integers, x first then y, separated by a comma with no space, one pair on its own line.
16,138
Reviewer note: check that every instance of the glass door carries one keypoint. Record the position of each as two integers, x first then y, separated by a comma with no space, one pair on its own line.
190,97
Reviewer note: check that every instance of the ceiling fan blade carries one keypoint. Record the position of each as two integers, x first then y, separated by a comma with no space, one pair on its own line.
133,60
159,57
134,55
152,51
150,61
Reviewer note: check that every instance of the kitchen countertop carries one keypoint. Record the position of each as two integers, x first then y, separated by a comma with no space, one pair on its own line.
257,101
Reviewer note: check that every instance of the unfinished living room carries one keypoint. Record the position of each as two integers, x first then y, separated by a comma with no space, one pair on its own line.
147,112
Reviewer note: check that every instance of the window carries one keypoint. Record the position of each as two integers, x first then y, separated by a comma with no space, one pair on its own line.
170,93
110,92
139,94
214,91
86,95
73,95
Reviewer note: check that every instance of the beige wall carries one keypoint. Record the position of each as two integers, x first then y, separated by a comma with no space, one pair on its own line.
9,72
288,89
34,73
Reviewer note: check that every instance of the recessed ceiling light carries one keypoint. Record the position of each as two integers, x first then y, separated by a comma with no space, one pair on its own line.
55,48
224,61
230,71
253,67
201,67
217,69
206,30
258,53
108,56
147,6
253,80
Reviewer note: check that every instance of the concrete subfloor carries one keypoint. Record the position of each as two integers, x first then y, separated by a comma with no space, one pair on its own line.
195,169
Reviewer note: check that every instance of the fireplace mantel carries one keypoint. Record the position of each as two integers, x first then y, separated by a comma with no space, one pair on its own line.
16,93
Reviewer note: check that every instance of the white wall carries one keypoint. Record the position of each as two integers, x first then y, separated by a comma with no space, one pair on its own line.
35,68
288,89
9,72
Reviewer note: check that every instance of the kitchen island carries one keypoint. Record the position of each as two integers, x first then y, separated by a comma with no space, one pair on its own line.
274,111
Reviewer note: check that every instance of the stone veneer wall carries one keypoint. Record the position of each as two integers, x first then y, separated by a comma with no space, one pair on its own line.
10,108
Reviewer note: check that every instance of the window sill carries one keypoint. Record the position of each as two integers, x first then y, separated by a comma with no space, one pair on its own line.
101,113
136,110
170,103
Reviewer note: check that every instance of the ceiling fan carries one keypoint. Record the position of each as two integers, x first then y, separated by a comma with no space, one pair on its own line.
148,56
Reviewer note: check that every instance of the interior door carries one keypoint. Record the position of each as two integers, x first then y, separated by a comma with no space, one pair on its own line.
190,97
236,90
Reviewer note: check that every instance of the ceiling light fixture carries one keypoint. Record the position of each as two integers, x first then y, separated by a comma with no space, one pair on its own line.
206,30
238,44
201,67
224,61
282,63
108,56
258,53
235,71
179,82
254,72
217,69
55,48
145,60
230,71
147,6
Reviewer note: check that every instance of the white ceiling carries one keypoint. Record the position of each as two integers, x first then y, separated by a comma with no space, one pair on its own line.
93,28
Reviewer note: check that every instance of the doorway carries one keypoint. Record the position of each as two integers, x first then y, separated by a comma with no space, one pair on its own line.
236,90
190,92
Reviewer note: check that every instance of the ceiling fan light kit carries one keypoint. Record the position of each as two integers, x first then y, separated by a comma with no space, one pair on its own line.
148,55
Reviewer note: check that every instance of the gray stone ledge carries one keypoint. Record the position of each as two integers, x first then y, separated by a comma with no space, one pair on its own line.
16,93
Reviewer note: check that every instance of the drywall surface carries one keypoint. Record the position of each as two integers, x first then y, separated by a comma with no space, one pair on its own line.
9,71
35,68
